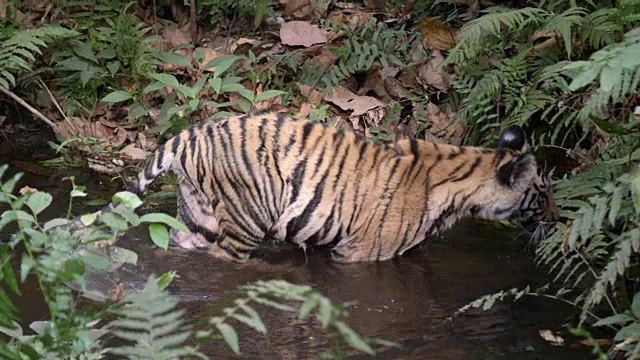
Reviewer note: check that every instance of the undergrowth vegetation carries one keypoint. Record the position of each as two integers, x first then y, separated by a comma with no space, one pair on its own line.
566,71
148,324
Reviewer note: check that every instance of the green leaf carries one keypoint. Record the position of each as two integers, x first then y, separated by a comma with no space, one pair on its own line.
616,202
163,281
85,51
26,265
114,221
614,319
78,193
609,127
164,218
216,84
229,335
159,235
87,75
74,64
221,64
8,276
113,67
166,79
55,223
635,305
353,339
128,199
172,58
268,95
116,96
632,330
309,304
253,320
39,201
585,78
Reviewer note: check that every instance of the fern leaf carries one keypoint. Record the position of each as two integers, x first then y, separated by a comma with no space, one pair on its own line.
150,320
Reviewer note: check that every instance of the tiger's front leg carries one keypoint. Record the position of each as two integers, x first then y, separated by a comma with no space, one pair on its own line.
197,215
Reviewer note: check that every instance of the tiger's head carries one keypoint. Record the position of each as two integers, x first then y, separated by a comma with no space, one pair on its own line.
526,185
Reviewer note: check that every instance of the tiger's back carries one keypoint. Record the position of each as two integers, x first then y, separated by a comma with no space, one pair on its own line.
247,179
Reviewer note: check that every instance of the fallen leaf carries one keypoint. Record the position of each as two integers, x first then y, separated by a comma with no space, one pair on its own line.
301,33
117,293
26,190
176,36
437,35
304,9
304,111
444,124
312,95
134,153
346,100
550,337
433,72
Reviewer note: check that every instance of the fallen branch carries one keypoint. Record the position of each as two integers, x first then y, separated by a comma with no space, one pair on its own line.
35,112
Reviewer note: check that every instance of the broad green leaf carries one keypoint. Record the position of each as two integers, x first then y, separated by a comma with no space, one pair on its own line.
85,51
106,54
166,79
159,235
216,84
116,96
632,330
14,332
74,64
174,59
229,335
55,223
221,64
113,67
39,201
164,218
609,77
616,202
268,95
586,77
614,319
128,199
114,221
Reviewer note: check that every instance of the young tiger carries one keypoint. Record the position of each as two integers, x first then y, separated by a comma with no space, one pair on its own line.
250,178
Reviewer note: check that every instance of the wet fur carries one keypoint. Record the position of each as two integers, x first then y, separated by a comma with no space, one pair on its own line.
248,179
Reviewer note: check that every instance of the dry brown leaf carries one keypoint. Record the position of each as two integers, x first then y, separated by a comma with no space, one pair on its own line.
550,337
312,95
120,136
26,190
346,100
444,124
304,9
433,72
550,35
76,127
304,111
301,33
437,35
133,152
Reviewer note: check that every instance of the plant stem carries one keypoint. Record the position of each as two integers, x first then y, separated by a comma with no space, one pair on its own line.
35,112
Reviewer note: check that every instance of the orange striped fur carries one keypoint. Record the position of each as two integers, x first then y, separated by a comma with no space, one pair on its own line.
247,179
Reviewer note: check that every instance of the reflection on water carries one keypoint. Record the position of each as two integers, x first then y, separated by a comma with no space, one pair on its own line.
405,300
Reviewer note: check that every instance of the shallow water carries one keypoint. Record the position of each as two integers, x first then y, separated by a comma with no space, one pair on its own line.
406,300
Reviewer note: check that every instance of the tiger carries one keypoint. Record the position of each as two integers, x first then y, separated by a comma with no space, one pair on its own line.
248,179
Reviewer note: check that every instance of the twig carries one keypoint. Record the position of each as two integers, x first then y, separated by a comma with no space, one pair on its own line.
57,105
35,112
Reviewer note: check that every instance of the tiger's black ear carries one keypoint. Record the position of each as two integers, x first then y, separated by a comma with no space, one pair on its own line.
514,138
518,173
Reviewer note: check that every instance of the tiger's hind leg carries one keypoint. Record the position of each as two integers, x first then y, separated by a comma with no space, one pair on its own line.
236,242
197,215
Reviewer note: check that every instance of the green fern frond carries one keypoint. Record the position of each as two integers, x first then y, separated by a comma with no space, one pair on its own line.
600,27
494,23
564,24
151,321
20,49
